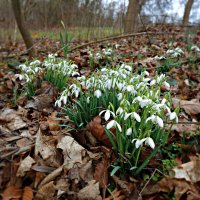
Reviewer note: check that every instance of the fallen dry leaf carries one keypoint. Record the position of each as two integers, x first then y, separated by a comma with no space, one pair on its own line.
53,122
188,171
11,119
25,166
44,145
91,191
168,184
27,194
73,152
11,192
46,192
98,131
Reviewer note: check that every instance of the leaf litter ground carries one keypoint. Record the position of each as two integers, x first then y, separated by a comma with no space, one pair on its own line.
41,160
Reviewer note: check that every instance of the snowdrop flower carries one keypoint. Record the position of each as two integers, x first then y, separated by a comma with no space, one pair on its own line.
119,96
131,89
153,82
88,100
148,141
108,84
98,56
117,45
120,110
146,73
120,86
159,57
156,119
36,62
75,73
145,102
160,78
172,116
115,124
97,93
58,103
132,114
166,84
23,67
128,67
107,115
73,66
19,76
129,131
195,48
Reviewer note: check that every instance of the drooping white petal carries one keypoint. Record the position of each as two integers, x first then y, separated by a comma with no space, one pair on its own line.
119,110
139,142
150,142
167,85
118,126
102,112
97,93
127,115
129,131
137,117
172,116
111,124
159,121
107,115
152,82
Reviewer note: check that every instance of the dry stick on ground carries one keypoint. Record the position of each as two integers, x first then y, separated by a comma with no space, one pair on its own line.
111,38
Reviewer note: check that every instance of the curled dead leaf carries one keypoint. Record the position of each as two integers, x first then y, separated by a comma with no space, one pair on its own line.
101,174
27,194
53,122
11,192
25,166
98,131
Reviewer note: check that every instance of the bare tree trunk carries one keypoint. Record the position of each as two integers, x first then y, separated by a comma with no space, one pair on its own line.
186,15
134,8
22,27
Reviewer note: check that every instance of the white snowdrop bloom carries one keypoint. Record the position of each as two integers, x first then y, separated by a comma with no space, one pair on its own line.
153,82
145,102
115,124
179,50
146,80
119,96
120,110
166,84
128,67
104,69
131,89
156,119
58,103
107,115
98,56
88,100
159,57
36,62
117,45
163,101
129,131
160,78
132,114
108,84
195,48
172,116
148,141
75,74
120,86
146,73
97,93
23,67
73,66
51,56
19,76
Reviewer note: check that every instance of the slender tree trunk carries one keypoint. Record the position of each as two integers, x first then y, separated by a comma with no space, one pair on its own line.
134,8
186,15
22,27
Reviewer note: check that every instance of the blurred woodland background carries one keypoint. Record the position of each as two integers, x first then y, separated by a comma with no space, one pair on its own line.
86,19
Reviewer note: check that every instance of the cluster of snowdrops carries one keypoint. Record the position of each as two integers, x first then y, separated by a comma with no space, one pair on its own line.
133,109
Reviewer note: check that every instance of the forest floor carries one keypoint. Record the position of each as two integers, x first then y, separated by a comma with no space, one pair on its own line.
41,160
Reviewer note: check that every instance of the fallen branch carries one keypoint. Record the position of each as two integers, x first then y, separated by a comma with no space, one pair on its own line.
110,38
